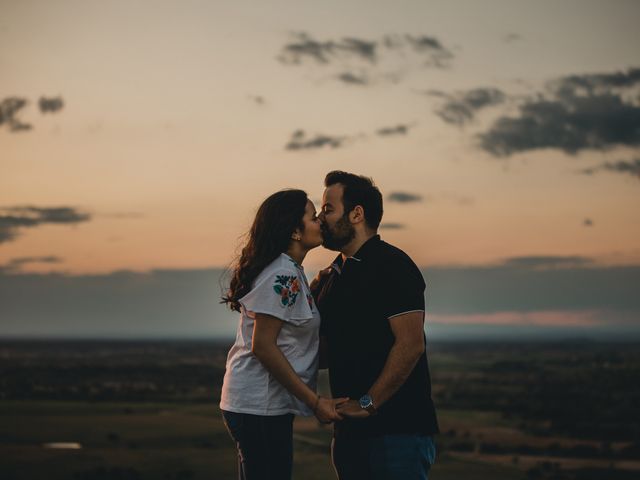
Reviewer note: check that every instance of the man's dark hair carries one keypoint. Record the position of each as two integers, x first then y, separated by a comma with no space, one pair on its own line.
358,190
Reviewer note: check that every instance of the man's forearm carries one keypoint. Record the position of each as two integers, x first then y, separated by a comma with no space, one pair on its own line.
400,363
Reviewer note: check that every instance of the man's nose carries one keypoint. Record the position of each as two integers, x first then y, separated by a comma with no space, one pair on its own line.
321,217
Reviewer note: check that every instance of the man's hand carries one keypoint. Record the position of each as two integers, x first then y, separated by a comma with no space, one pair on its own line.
326,411
352,409
318,281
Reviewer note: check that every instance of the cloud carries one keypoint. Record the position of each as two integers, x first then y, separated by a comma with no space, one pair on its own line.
437,54
257,99
577,112
527,284
629,167
587,222
299,141
50,104
460,107
537,262
303,47
392,226
511,38
15,264
366,56
13,218
146,304
9,107
353,79
404,197
397,130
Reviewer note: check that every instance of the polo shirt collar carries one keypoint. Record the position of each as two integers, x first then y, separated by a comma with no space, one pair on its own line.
367,248
363,252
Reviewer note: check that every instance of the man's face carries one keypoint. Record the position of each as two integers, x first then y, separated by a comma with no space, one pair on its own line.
337,230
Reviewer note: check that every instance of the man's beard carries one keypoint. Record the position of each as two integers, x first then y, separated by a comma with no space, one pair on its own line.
342,233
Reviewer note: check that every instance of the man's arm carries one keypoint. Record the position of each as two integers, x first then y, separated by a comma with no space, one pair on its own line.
407,348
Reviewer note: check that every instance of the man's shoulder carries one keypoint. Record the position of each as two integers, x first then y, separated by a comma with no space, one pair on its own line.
394,255
395,262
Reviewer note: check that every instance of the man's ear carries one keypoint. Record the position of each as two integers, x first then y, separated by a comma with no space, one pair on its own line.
357,214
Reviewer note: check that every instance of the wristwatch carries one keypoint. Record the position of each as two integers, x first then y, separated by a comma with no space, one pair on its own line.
366,403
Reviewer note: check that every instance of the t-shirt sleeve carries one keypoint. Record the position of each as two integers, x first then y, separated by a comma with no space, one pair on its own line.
280,294
403,290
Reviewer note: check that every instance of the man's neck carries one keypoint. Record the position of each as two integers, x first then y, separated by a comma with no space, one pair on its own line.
354,245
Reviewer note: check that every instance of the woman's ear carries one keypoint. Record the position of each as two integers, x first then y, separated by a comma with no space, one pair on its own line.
296,235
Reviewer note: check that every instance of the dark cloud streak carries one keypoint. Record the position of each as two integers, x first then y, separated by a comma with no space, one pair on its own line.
9,107
404,197
13,218
299,141
578,112
50,104
460,108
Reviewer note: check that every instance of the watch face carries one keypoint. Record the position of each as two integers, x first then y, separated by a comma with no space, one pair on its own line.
365,401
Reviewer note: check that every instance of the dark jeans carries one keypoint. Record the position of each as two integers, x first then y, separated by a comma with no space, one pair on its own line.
265,445
387,457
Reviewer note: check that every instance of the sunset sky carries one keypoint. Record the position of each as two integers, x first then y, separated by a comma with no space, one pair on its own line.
140,136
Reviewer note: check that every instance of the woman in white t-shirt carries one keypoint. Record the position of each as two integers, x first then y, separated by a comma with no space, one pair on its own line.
272,367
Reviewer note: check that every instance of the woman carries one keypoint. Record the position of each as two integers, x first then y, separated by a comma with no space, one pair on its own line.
272,367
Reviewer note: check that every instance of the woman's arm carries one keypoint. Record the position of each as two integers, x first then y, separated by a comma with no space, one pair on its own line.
264,346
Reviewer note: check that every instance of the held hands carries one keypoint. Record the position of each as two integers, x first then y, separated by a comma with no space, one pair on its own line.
325,409
352,408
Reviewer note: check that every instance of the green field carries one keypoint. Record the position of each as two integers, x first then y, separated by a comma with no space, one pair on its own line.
144,410
158,441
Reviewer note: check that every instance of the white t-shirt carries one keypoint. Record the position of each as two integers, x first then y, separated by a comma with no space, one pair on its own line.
280,290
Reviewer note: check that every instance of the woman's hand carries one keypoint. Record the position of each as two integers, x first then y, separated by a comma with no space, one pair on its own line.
325,409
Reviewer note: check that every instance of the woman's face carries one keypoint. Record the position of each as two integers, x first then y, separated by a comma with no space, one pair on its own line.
312,234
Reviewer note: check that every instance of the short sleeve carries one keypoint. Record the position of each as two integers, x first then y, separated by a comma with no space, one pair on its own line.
279,293
403,288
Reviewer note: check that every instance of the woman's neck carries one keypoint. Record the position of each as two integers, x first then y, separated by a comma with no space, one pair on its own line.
297,253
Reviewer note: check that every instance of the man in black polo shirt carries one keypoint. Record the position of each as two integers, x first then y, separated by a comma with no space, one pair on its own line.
371,300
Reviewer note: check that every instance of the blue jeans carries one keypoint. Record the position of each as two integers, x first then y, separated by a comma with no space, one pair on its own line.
386,457
264,443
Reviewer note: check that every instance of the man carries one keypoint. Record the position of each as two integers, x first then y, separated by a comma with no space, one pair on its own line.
371,300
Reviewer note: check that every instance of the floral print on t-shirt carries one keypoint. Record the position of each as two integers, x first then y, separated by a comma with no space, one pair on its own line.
288,287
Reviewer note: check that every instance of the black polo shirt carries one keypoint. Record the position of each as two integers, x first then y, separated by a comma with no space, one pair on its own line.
356,300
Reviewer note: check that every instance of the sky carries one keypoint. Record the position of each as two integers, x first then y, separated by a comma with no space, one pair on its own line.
138,138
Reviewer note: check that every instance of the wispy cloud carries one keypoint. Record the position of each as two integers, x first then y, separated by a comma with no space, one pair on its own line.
15,264
541,262
404,197
51,105
9,108
14,218
577,112
460,107
396,130
511,38
257,99
628,167
300,141
354,78
392,226
361,61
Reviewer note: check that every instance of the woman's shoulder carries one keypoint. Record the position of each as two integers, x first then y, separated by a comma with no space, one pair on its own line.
282,265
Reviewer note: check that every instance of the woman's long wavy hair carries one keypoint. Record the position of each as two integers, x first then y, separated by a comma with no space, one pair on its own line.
270,235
